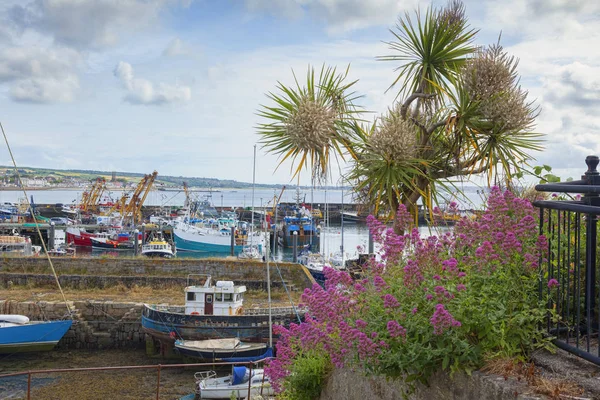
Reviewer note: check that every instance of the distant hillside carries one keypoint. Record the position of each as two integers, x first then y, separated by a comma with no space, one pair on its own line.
89,175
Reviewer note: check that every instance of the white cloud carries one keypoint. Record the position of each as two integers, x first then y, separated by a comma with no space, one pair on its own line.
40,75
340,15
142,91
175,48
46,90
86,24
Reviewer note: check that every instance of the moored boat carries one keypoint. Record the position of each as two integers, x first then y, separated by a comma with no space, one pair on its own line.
17,245
191,238
314,263
18,334
213,312
157,246
225,350
250,252
109,244
242,381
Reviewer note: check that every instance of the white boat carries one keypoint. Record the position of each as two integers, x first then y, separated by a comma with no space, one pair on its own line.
314,263
237,385
158,247
17,245
250,252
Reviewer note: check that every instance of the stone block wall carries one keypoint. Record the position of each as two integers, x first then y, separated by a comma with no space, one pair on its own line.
96,324
353,385
218,268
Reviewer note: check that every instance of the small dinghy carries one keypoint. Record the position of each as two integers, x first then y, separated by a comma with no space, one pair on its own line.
229,349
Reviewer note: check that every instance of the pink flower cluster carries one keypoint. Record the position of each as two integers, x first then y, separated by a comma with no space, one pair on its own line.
419,281
395,329
442,320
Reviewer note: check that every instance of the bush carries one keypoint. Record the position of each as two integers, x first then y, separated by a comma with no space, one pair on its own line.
447,302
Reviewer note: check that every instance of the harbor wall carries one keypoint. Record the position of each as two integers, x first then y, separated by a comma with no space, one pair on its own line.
8,280
148,271
96,324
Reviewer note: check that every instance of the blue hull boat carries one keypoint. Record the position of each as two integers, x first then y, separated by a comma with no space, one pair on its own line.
32,336
225,350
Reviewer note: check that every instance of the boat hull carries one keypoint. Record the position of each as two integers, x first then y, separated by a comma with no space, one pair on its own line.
34,336
158,253
185,241
165,325
112,245
255,351
79,238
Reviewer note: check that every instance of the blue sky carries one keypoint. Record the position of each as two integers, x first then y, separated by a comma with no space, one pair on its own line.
174,85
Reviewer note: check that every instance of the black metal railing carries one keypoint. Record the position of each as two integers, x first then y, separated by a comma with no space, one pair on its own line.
568,273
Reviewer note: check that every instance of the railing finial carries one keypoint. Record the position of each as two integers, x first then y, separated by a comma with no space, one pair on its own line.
592,163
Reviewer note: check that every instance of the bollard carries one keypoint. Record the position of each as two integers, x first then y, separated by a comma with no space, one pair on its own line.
232,240
295,246
136,243
51,235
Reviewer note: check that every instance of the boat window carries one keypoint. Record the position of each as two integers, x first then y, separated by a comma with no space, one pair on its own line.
209,298
227,297
191,296
218,297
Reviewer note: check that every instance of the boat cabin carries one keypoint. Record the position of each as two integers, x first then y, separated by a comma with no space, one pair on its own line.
224,298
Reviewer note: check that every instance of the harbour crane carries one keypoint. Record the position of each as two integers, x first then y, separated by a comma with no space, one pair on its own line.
276,201
90,198
130,206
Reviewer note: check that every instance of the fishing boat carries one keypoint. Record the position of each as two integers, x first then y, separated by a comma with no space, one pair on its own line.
224,350
157,246
213,312
302,225
18,334
216,238
109,244
79,237
237,385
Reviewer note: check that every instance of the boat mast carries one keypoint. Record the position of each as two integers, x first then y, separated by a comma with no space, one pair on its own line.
342,214
253,184
268,283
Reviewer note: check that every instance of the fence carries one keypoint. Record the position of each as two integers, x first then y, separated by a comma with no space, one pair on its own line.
568,271
252,387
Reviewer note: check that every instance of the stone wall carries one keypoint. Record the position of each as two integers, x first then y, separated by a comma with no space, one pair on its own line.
96,324
352,385
101,282
218,268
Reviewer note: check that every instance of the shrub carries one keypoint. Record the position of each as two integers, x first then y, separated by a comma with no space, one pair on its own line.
449,301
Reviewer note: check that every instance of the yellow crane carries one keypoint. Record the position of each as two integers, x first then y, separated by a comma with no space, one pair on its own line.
276,201
134,207
90,198
130,206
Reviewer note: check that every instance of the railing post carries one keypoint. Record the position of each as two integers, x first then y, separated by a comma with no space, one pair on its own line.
592,177
28,385
158,384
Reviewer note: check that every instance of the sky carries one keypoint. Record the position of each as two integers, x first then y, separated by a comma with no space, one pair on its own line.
175,85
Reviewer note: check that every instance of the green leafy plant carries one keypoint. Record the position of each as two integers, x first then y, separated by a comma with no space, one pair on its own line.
309,372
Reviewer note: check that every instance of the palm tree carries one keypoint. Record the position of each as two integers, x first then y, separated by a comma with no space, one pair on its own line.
310,123
462,112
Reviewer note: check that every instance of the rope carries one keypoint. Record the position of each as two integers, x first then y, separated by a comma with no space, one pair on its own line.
288,293
37,227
